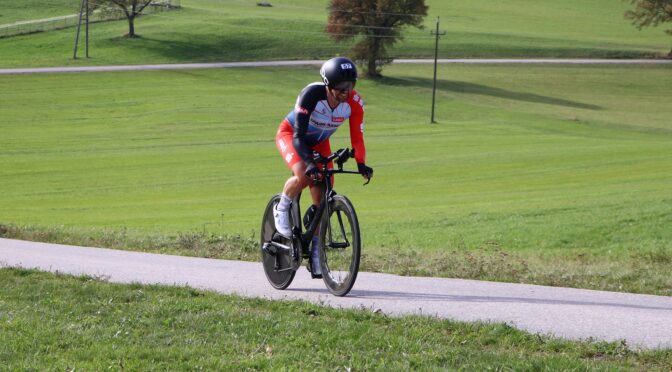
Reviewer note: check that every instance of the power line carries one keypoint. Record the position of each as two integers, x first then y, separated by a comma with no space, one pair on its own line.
327,9
294,31
305,22
375,12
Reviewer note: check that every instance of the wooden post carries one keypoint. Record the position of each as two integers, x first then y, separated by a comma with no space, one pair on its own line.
436,56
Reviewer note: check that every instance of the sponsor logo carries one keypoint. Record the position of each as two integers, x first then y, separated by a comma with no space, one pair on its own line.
300,110
283,145
288,157
359,100
346,66
326,126
337,119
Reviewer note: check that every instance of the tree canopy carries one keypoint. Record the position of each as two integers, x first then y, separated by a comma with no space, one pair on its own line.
131,8
650,13
379,22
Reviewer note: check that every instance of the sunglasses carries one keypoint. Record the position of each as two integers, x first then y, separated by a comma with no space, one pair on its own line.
344,86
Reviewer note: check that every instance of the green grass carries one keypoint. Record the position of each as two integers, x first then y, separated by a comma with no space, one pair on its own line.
231,30
59,322
563,184
15,11
544,174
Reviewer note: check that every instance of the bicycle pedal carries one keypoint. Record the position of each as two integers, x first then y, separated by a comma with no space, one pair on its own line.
270,249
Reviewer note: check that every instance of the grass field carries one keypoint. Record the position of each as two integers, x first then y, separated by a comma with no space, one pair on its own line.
235,30
552,175
78,323
521,180
16,11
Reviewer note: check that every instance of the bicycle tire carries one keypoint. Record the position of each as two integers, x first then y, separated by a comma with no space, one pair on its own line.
339,263
278,279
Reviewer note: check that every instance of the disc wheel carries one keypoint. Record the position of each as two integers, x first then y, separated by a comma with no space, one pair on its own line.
278,265
340,246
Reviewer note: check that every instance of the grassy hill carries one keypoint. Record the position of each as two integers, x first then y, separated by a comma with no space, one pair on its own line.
232,30
560,177
554,175
16,11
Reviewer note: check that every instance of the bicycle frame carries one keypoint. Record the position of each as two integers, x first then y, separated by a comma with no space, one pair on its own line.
301,240
327,194
339,247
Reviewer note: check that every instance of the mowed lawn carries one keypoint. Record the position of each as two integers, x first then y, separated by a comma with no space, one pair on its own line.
60,322
20,11
231,30
539,161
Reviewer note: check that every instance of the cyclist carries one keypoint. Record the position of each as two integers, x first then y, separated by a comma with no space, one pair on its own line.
320,109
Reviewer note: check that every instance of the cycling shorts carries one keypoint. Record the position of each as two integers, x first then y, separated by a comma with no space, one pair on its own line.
284,143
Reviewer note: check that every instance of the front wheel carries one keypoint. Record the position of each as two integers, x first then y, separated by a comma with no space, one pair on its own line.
340,246
277,263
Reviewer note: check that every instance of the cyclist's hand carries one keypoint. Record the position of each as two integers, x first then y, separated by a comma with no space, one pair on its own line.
312,171
366,172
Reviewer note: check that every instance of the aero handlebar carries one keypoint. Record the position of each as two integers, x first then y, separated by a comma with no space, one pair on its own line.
339,157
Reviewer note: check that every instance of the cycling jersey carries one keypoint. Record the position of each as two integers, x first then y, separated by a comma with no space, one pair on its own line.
313,121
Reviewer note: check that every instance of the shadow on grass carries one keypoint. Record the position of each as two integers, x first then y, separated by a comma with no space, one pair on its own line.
484,90
228,48
204,49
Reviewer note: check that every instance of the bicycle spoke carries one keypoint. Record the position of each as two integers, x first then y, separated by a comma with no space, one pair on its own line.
340,257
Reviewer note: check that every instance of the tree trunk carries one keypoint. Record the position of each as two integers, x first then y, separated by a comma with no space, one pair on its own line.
371,68
131,26
374,55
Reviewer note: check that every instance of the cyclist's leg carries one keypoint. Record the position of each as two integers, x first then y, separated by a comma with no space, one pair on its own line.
298,181
294,184
324,148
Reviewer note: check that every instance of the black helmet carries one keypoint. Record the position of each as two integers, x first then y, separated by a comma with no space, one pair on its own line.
338,70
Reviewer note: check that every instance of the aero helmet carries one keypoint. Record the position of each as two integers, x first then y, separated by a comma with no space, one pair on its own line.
338,70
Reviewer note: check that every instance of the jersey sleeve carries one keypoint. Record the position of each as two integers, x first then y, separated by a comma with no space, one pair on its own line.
305,105
357,127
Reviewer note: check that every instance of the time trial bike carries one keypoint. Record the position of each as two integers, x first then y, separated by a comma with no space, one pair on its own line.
335,224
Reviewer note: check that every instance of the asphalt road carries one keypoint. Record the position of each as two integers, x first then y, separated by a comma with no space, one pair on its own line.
182,66
643,321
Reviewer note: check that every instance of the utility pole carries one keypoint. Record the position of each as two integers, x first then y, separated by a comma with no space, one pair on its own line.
87,28
84,8
436,56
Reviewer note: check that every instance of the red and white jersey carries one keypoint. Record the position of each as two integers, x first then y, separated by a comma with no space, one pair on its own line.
314,121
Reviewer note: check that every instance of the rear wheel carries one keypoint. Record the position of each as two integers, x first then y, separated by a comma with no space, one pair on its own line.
277,262
340,246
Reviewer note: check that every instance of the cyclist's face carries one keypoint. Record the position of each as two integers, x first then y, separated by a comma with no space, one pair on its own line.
342,90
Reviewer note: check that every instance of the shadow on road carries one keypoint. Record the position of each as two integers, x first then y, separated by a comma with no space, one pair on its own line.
436,297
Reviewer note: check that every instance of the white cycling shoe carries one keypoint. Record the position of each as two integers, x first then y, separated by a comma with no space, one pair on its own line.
282,222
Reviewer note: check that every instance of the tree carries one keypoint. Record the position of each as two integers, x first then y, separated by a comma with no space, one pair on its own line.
651,13
131,8
379,22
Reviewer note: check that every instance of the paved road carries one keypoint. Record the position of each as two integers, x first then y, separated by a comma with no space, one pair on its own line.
182,66
643,321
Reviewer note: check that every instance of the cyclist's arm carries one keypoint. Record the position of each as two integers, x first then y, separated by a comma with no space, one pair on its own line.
357,127
305,104
299,137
